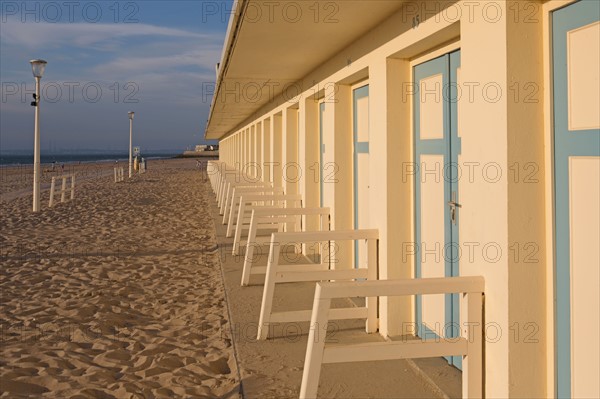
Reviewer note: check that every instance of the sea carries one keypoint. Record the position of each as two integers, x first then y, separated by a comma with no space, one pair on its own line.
27,159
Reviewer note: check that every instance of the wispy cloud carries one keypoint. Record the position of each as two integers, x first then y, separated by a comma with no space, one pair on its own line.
163,68
124,65
43,34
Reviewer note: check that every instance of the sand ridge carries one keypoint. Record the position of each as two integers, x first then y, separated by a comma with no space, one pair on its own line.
117,294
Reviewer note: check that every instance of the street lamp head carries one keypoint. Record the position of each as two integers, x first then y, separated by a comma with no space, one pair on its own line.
38,67
131,113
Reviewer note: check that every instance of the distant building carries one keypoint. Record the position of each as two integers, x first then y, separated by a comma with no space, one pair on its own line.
200,148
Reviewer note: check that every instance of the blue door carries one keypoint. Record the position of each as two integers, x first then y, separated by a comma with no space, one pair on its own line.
437,146
360,127
576,85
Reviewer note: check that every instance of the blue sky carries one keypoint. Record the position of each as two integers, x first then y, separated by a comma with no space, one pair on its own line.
105,58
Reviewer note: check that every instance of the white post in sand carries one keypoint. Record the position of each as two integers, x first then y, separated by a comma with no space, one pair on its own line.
52,185
37,67
63,191
130,113
73,186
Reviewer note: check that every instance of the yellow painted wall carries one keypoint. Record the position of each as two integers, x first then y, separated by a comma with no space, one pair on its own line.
394,210
526,220
291,170
266,150
258,148
308,143
338,168
275,168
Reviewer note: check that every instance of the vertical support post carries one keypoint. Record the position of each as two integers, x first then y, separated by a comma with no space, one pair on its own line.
325,226
239,226
220,192
267,299
217,178
224,199
63,190
209,168
130,148
115,170
316,346
36,149
222,187
473,362
297,224
72,187
372,265
230,190
249,257
232,209
52,185
328,254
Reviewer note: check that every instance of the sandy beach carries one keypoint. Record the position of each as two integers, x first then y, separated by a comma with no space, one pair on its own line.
118,293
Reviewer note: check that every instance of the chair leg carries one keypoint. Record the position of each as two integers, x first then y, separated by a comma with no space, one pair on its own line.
267,299
316,347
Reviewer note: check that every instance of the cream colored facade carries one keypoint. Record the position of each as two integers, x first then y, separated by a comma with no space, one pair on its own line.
276,71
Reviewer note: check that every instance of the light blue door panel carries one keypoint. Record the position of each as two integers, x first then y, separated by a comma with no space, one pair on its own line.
448,147
566,144
360,147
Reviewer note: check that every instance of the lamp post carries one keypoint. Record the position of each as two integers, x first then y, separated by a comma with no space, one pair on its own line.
38,67
130,113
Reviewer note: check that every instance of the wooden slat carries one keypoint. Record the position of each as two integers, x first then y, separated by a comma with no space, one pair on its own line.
305,315
412,349
274,197
291,268
316,236
276,219
293,211
305,275
420,286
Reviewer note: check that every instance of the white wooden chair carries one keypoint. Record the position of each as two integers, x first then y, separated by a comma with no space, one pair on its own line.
234,204
248,202
226,177
262,218
469,346
230,185
317,272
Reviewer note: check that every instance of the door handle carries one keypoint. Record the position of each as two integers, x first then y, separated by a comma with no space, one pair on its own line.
453,205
